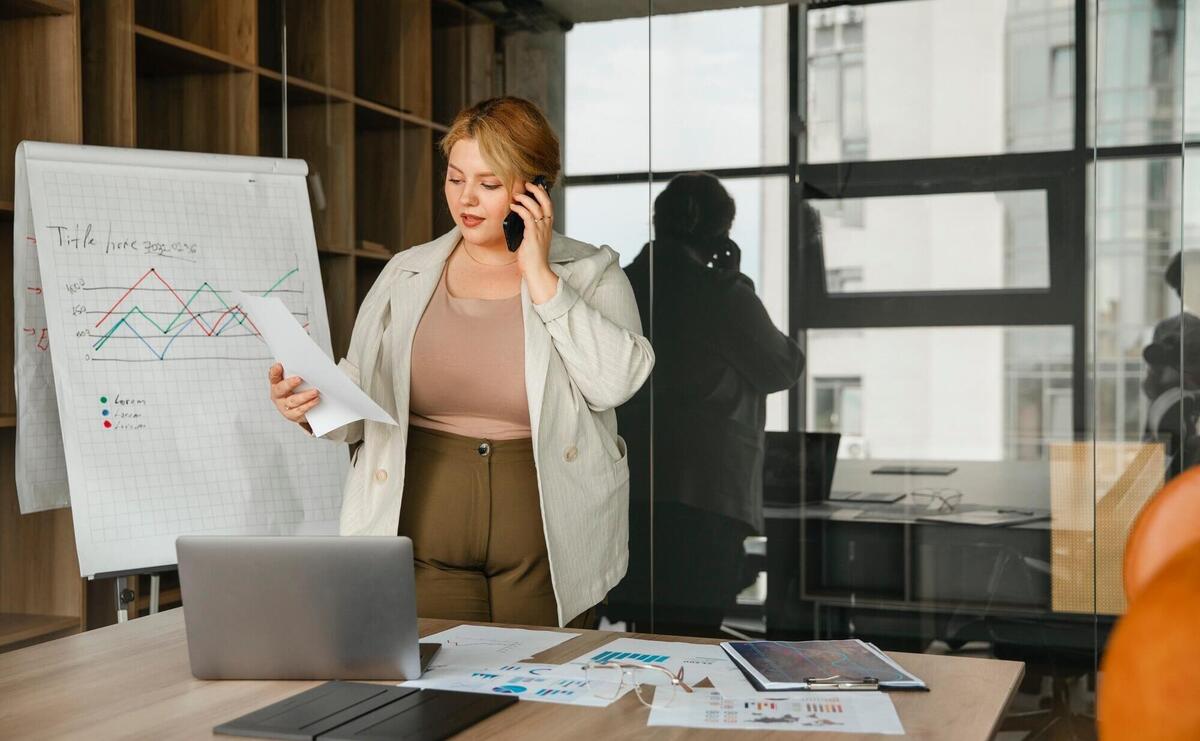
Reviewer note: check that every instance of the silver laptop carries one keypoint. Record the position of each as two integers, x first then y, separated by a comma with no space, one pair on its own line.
276,607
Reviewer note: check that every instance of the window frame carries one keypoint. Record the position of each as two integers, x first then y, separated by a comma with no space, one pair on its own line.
1064,175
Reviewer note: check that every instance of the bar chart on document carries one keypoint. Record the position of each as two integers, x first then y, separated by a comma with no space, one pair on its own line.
161,378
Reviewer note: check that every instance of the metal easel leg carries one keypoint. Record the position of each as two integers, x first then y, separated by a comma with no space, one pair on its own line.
124,597
154,584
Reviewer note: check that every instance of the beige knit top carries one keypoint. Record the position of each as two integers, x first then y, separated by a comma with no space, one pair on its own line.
468,367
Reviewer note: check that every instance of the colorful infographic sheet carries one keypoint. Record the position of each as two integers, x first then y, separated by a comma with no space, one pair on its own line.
850,712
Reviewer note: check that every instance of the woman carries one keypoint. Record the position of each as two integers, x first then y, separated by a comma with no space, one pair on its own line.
504,370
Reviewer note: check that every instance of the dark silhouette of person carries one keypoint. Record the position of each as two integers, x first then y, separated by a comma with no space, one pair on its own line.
1172,382
696,431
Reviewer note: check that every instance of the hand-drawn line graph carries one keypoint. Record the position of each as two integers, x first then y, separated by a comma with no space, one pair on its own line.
137,323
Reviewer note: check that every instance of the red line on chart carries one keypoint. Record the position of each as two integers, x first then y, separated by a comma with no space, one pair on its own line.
226,313
138,283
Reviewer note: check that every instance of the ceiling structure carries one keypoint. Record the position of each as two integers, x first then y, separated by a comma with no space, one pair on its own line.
547,15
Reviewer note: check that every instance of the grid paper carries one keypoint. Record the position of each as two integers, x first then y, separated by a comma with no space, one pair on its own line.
161,381
41,468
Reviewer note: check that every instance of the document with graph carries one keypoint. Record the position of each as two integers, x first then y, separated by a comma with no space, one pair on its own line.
152,372
825,712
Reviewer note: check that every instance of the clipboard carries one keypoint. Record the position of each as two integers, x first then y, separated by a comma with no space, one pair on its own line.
781,666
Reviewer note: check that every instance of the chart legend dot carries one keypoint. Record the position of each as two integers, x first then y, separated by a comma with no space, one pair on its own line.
103,399
107,424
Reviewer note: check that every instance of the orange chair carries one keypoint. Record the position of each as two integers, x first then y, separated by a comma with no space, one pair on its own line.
1151,667
1169,523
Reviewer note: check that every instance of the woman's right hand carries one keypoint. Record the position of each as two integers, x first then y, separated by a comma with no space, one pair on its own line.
291,405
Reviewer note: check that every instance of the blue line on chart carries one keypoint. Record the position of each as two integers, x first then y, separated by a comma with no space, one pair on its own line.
619,655
158,355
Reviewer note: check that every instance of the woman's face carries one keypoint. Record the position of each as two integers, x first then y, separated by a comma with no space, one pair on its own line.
477,198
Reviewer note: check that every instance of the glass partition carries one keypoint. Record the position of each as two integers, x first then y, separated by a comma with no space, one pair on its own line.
916,273
969,220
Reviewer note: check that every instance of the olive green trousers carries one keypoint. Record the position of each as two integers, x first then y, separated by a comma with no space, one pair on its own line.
472,510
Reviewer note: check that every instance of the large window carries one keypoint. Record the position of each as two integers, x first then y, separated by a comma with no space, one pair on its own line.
953,241
838,405
956,203
677,107
837,93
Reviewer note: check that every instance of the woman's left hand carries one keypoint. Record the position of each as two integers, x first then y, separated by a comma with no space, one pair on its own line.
533,256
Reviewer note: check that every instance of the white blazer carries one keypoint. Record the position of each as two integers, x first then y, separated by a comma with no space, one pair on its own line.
584,356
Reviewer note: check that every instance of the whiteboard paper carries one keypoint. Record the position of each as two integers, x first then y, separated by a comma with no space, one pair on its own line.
160,383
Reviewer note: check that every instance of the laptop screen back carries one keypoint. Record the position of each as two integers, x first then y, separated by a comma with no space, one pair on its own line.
798,467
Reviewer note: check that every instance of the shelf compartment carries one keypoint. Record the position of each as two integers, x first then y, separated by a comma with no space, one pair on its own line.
321,134
393,169
160,54
109,47
33,8
442,220
301,91
8,395
337,279
225,27
366,272
369,253
320,41
462,60
210,112
18,630
372,115
40,84
393,54
38,565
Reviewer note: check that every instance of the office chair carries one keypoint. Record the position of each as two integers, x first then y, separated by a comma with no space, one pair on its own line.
1061,650
1152,665
1166,526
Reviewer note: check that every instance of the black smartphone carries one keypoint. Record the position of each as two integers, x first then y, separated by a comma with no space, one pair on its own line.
514,225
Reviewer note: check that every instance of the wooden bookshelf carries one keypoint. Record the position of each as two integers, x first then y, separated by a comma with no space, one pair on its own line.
35,8
229,27
359,94
164,54
41,594
22,629
8,396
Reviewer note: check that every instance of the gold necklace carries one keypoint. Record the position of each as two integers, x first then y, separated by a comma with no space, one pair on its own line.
485,264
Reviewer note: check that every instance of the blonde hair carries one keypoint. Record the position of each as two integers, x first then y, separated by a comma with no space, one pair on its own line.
514,138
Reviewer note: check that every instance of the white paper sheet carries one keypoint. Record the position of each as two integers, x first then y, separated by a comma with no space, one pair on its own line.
554,683
698,660
41,464
731,683
843,712
159,385
342,402
483,646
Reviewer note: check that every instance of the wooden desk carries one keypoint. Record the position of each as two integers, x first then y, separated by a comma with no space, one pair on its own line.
133,681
